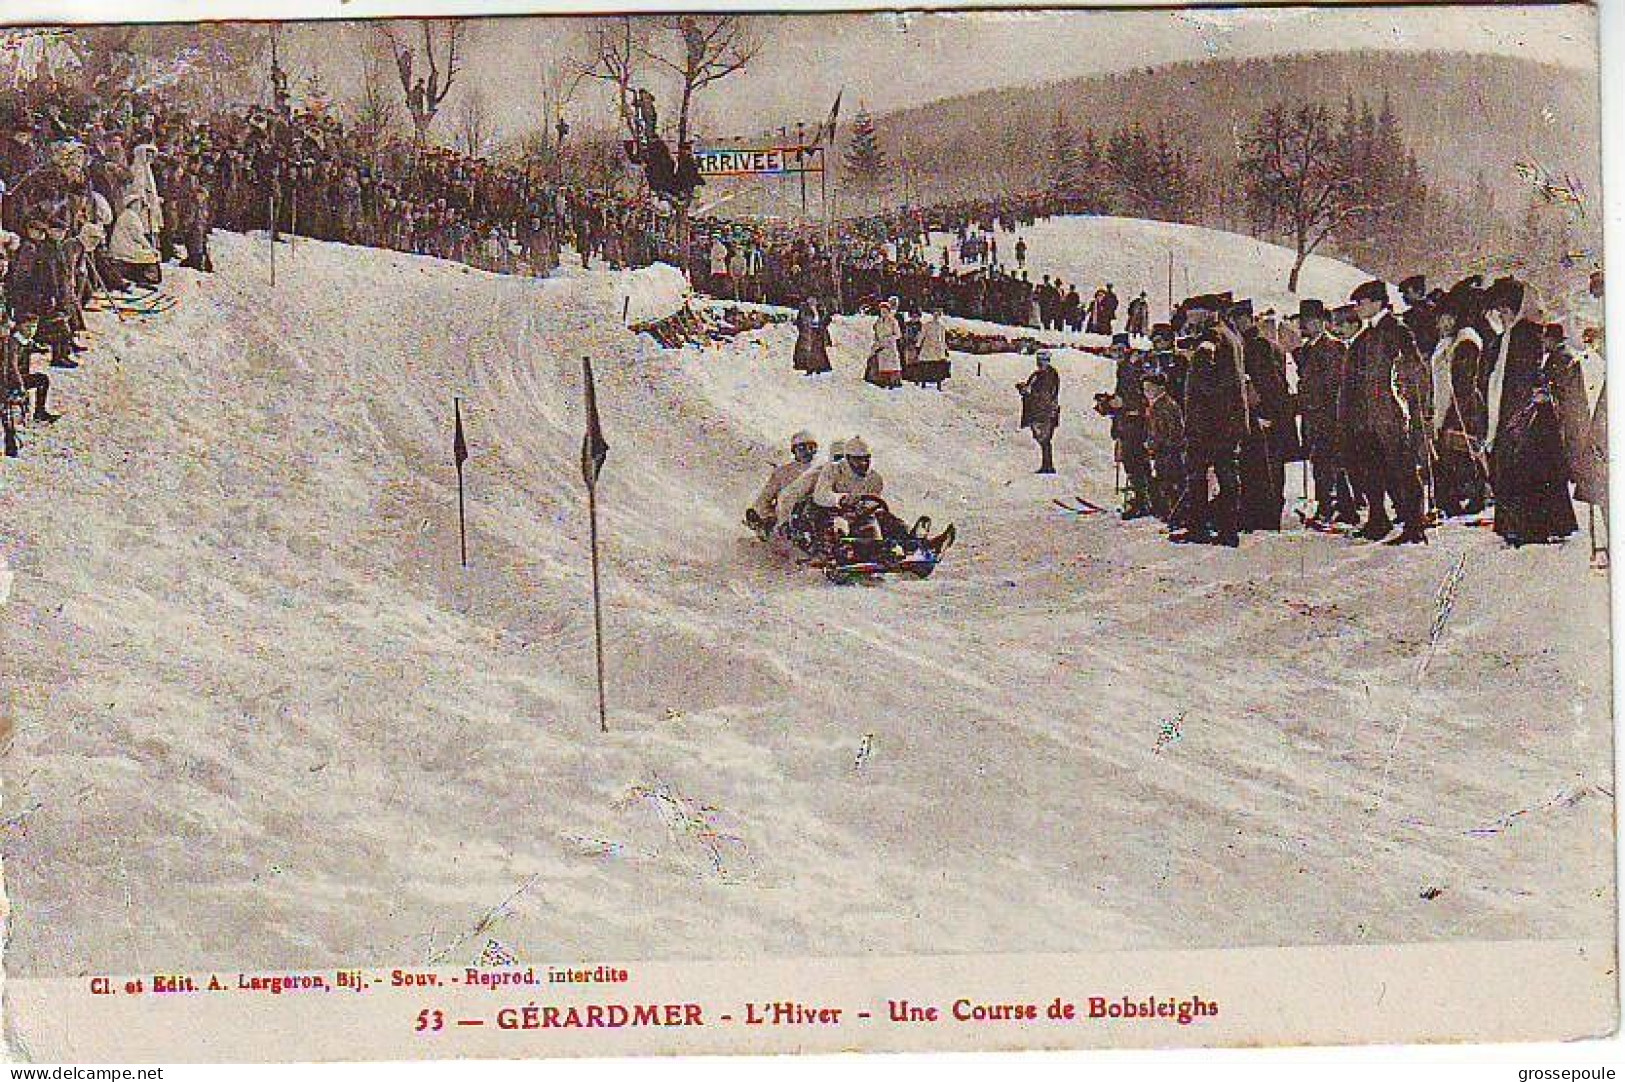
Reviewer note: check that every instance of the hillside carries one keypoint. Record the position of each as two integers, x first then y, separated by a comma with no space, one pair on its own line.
261,718
1133,255
1462,114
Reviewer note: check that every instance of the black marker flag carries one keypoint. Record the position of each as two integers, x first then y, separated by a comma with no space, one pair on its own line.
594,449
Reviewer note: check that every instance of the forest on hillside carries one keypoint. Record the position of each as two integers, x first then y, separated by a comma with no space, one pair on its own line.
1498,157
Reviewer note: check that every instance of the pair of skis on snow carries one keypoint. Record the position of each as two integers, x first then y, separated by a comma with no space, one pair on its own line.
151,303
1080,507
1434,521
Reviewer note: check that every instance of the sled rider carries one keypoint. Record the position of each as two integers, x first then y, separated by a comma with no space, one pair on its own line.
763,513
841,485
800,489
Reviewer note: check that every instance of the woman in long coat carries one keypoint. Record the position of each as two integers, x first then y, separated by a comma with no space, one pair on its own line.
885,367
931,365
812,338
1460,467
1541,445
145,186
908,347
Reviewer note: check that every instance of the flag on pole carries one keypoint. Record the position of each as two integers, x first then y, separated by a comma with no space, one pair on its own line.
827,132
594,448
459,454
459,445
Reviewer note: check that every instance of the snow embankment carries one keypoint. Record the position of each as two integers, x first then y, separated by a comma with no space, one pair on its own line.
1132,254
266,719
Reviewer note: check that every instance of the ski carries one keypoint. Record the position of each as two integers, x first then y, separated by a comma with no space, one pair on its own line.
1082,508
163,304
157,296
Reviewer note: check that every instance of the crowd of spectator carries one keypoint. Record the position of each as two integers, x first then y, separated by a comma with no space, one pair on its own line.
945,256
99,194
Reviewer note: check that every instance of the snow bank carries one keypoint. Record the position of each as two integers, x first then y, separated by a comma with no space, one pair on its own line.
1133,255
255,668
654,292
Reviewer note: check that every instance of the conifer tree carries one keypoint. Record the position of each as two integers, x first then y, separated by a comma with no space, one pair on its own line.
865,157
1066,174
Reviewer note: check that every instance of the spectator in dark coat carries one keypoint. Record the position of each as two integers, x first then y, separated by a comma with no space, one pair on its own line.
1165,444
1041,408
1321,360
1384,404
1538,397
812,338
1215,422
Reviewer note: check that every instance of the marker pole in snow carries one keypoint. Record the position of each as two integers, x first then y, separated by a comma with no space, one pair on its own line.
271,234
459,454
597,606
594,449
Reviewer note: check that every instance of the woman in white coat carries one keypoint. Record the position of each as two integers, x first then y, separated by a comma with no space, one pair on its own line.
145,186
131,254
932,367
885,368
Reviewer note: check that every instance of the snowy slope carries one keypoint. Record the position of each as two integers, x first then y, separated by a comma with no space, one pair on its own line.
1133,255
261,715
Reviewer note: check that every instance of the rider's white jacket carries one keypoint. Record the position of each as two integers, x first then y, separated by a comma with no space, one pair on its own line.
837,479
767,500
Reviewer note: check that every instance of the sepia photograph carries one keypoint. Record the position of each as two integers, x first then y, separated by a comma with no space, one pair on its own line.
630,506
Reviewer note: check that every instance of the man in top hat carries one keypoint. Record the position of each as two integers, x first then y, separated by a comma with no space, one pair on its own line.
1139,313
1167,361
1384,408
1215,423
1271,437
1420,316
1320,361
1345,323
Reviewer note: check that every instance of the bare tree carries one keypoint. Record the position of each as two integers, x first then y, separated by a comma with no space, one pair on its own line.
473,122
374,107
557,84
438,45
1298,179
612,54
700,50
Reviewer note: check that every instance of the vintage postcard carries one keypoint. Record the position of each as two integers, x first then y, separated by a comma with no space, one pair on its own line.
608,534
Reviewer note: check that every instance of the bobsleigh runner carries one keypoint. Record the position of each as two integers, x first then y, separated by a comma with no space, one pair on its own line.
862,541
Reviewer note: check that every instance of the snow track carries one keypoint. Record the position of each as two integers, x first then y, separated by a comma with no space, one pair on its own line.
267,719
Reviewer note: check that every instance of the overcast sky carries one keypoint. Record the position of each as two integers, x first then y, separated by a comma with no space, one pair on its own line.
889,61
